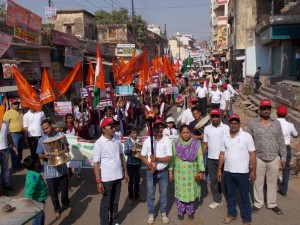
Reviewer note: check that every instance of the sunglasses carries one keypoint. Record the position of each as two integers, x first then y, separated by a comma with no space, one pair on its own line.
263,108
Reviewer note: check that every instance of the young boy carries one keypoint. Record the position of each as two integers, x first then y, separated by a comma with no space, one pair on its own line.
133,165
35,187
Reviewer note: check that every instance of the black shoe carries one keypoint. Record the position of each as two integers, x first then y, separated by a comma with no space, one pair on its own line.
8,188
277,210
191,217
180,217
281,193
255,210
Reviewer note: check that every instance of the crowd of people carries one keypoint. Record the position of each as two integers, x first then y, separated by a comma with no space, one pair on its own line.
179,153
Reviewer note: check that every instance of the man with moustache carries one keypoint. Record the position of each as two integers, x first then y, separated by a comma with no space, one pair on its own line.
212,142
197,116
109,169
158,167
236,152
270,156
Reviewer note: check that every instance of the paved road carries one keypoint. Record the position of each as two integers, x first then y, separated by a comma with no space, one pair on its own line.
85,202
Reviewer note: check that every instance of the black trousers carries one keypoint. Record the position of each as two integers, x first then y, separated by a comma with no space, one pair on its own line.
62,183
109,214
202,104
215,105
134,180
33,142
212,165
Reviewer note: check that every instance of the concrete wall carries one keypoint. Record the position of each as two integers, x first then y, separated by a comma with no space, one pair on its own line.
240,25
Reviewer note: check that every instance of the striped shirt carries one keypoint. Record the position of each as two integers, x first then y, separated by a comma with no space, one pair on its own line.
52,171
128,145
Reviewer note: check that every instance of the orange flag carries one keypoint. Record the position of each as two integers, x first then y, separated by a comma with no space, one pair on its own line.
28,96
115,69
135,65
90,78
122,63
47,95
73,76
2,111
100,82
168,71
141,80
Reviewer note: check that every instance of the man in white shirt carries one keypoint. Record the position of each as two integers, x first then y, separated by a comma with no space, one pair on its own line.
187,115
225,103
5,141
215,97
33,131
158,170
288,130
236,152
202,94
109,169
212,142
233,93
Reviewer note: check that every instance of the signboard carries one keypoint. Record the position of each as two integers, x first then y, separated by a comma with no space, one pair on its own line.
171,90
55,71
222,37
5,41
64,39
28,54
72,57
7,70
154,81
107,97
62,108
18,16
31,71
50,15
26,36
125,49
125,90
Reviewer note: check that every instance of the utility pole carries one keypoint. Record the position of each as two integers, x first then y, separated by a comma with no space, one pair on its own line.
133,21
49,3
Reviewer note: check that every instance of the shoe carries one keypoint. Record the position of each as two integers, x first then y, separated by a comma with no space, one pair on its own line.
281,193
140,199
180,217
276,210
164,218
150,220
255,210
130,201
228,219
8,188
191,217
215,205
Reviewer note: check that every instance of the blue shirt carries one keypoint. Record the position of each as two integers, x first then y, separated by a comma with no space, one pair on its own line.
52,171
128,145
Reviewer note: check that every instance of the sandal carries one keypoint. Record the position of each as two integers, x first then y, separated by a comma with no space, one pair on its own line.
277,210
228,219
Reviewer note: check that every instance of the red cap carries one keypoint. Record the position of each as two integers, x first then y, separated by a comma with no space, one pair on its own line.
282,110
213,85
201,82
158,121
15,101
192,100
215,112
234,117
224,86
107,121
265,102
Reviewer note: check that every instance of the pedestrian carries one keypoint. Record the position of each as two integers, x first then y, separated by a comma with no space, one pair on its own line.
288,130
256,79
233,94
35,186
109,169
158,170
179,102
14,118
33,131
171,128
196,133
187,169
202,94
133,164
6,140
56,176
212,142
236,152
215,97
225,103
187,115
270,156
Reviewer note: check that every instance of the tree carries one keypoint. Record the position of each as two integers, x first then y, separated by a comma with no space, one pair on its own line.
2,11
141,27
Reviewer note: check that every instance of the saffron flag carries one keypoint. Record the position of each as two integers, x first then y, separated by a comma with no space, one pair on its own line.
142,80
115,69
2,111
90,78
168,71
74,76
47,95
100,82
28,96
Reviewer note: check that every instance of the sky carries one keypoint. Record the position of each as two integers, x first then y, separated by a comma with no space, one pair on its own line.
186,17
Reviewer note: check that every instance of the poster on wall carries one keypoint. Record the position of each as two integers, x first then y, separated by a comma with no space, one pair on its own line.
222,37
7,70
50,15
62,108
72,57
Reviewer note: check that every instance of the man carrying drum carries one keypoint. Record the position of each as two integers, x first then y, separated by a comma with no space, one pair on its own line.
56,176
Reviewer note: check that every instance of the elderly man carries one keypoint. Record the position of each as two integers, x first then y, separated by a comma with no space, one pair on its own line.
109,169
270,156
14,118
236,152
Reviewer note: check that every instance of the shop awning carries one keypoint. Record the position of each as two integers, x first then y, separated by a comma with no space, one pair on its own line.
290,31
5,89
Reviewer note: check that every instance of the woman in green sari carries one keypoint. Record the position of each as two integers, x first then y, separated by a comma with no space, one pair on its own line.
187,169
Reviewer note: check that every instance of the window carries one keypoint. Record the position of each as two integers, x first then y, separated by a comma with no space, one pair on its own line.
69,29
112,32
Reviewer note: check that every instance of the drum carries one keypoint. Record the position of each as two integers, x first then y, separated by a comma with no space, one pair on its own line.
57,150
203,123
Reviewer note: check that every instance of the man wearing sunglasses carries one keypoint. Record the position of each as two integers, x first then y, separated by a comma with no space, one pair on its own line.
109,169
270,156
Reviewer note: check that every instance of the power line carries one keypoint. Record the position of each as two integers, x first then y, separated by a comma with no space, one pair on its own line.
175,7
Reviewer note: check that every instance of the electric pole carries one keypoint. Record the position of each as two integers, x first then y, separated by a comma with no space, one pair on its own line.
133,22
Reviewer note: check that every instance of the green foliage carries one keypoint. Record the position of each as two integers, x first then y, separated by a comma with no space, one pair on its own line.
141,27
2,11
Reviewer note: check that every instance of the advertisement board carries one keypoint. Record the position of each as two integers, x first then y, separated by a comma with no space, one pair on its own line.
64,39
7,70
125,49
26,36
50,15
5,41
222,37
